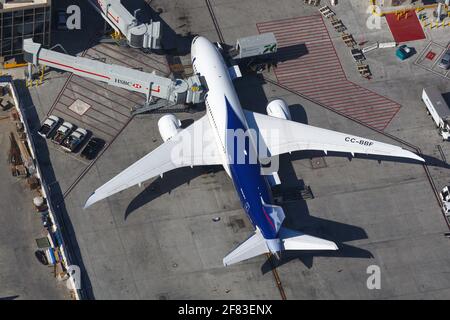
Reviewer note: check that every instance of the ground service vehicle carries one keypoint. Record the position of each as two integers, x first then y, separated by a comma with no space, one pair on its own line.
438,109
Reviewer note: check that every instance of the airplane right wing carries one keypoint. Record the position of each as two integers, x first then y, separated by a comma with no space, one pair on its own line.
193,146
284,136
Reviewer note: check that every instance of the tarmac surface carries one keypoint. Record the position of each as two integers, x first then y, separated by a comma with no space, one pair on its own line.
160,241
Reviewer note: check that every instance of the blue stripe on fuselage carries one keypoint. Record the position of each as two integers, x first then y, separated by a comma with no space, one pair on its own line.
250,185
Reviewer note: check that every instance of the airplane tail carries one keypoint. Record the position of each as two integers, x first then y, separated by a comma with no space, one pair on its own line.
288,239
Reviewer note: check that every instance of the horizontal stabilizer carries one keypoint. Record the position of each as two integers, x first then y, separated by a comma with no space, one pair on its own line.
294,240
252,247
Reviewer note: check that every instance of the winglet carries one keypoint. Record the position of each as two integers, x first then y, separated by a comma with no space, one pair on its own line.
411,155
90,201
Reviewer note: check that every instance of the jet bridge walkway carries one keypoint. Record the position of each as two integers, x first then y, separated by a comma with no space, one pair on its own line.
178,91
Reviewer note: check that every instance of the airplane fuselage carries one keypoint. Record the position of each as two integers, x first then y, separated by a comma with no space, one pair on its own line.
226,117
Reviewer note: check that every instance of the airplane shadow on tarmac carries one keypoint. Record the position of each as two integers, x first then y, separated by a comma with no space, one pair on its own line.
299,218
9,298
170,181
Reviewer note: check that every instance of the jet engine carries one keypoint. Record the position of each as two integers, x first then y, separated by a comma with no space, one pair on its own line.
169,126
279,109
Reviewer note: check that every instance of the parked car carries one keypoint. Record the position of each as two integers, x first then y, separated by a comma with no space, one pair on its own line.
92,148
49,126
445,60
63,132
74,140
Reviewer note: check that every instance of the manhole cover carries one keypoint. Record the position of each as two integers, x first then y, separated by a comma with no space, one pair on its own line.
79,107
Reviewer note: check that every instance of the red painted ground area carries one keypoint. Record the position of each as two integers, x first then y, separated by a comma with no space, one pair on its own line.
405,30
310,66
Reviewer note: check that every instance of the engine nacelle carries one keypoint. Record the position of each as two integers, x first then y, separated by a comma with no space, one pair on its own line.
169,126
279,109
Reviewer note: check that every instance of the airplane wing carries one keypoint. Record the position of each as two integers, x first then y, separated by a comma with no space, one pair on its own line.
283,136
193,146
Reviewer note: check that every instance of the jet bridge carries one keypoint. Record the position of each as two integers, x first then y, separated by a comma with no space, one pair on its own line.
138,35
190,91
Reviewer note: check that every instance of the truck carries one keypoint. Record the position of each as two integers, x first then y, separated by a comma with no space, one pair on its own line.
74,140
438,109
255,46
63,132
49,125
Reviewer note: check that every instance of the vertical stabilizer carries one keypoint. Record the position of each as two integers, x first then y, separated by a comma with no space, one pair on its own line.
275,214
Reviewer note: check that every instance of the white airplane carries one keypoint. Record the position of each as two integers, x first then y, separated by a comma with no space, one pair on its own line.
208,142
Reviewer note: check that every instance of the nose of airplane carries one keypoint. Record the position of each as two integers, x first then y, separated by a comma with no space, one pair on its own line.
193,48
193,45
198,42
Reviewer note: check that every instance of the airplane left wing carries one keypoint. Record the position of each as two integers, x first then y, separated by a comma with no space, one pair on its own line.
283,136
193,146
